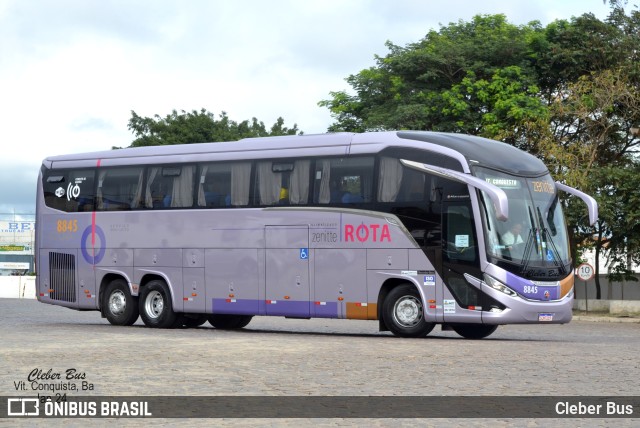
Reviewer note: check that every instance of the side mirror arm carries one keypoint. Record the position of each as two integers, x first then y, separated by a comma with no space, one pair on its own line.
592,205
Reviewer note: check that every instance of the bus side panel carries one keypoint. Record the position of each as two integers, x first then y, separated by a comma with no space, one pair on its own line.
287,286
88,294
116,261
232,281
430,282
383,260
339,273
194,292
194,295
165,262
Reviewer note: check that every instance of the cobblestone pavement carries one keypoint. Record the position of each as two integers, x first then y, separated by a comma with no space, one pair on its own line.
277,356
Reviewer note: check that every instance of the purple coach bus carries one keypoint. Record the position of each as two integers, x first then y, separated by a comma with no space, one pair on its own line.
411,229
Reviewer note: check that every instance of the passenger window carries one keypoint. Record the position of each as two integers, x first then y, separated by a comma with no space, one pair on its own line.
224,185
398,183
283,182
169,187
343,180
119,189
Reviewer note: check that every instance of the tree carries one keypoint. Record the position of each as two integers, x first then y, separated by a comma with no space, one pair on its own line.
593,106
474,78
199,127
568,93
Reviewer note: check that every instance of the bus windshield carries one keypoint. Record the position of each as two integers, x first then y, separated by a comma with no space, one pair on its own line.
535,234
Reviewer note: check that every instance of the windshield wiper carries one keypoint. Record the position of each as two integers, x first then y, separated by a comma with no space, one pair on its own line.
546,237
527,251
528,246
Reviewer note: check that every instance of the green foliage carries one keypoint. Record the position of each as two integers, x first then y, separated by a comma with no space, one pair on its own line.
568,93
198,127
620,217
468,77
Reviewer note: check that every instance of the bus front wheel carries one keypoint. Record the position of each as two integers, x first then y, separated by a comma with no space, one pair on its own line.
119,306
404,314
474,331
156,309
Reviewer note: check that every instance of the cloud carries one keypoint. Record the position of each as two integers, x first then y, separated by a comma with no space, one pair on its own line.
71,71
18,188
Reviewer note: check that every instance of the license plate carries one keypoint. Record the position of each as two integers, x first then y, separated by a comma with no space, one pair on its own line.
545,317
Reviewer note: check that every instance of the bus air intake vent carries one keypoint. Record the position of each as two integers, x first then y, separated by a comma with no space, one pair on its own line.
62,276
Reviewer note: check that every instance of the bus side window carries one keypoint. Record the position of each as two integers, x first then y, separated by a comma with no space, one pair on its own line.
69,190
223,185
343,180
299,184
460,238
181,179
398,183
269,184
214,186
283,182
119,189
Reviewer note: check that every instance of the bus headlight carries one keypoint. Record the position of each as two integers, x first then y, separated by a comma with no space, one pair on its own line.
497,285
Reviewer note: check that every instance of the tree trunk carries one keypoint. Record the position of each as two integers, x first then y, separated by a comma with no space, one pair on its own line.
597,264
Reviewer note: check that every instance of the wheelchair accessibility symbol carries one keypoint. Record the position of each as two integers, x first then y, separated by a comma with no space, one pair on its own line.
304,253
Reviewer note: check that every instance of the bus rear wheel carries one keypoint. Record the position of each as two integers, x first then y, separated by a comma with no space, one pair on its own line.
156,309
229,322
474,331
194,321
403,312
119,306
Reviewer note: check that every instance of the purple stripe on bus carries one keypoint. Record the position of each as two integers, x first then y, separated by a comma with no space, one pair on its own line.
325,309
531,290
235,306
288,308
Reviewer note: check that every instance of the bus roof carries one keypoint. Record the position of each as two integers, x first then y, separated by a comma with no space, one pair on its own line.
483,152
466,149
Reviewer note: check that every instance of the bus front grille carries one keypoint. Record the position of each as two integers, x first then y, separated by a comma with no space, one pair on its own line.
62,277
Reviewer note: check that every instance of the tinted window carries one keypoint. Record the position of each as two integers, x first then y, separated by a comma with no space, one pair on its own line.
69,190
119,189
343,180
283,182
169,186
397,183
224,185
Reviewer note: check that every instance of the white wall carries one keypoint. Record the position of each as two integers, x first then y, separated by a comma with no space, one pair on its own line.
590,257
18,287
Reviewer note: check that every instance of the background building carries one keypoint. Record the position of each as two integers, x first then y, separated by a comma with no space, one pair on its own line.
17,234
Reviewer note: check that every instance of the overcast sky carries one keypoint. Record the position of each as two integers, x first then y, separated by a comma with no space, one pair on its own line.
72,71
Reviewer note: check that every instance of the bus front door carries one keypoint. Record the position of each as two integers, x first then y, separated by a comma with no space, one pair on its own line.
460,300
287,271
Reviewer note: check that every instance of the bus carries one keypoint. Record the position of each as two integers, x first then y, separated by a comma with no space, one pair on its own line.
408,228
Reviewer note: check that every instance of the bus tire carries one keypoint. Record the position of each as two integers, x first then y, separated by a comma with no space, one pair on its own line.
474,331
229,322
119,306
403,313
194,321
156,309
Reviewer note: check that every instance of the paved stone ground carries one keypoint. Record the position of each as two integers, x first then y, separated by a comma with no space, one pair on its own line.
275,356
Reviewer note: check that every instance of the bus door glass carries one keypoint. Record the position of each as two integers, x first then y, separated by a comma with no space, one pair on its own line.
460,300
